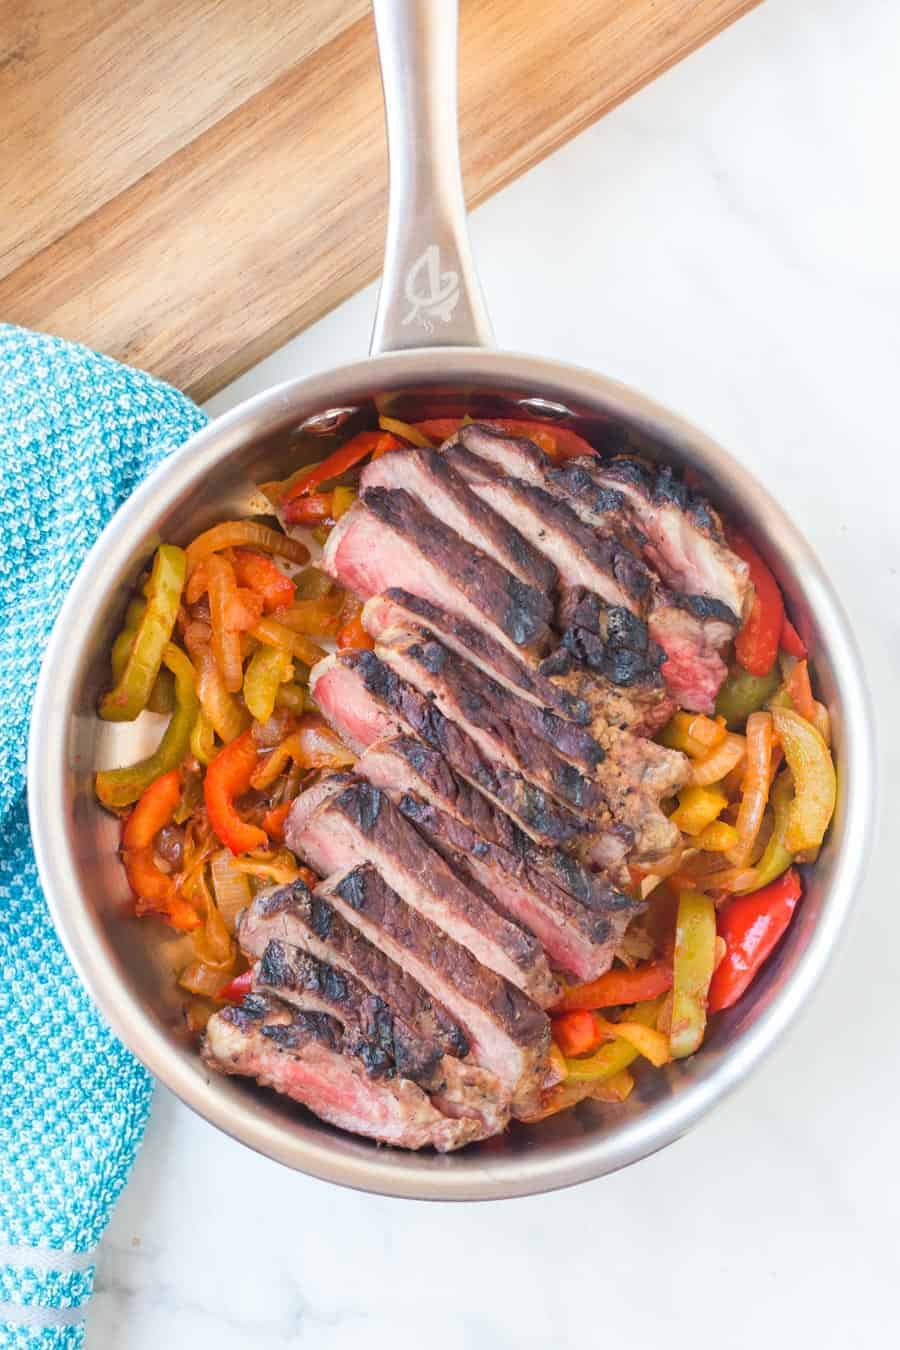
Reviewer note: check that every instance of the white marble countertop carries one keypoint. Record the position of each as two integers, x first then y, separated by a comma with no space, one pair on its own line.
728,241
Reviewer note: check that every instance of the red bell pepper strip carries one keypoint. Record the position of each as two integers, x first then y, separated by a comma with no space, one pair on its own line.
576,1033
260,573
756,645
227,777
312,509
751,926
237,989
344,458
273,821
154,890
155,809
620,987
791,641
566,444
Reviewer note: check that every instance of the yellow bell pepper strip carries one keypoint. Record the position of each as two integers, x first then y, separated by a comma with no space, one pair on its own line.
751,926
754,788
697,808
615,1055
649,1042
203,739
131,691
776,857
718,837
245,534
265,674
743,693
226,778
405,430
292,696
155,892
676,734
315,618
815,783
719,762
695,953
619,987
342,498
120,787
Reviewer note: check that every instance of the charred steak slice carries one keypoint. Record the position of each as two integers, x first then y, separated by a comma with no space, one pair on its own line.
389,539
582,556
398,609
509,1034
426,475
297,977
503,726
457,1089
576,939
303,1055
341,823
685,542
290,914
364,700
692,630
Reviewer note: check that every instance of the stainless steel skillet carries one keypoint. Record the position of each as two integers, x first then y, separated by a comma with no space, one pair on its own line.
431,351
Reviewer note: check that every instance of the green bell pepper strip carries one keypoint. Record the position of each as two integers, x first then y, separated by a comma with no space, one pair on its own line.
692,968
162,695
268,667
132,689
120,787
203,739
743,693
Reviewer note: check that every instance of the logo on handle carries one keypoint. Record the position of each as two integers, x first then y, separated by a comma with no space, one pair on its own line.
433,294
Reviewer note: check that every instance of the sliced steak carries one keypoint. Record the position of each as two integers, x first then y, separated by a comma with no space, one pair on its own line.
398,609
389,539
457,1089
577,940
303,1055
582,556
506,729
364,700
509,1034
685,542
291,914
692,630
426,475
343,822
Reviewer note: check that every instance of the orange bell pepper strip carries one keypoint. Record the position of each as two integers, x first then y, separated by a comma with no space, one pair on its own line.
353,635
273,821
312,509
263,576
227,777
620,987
756,645
791,641
155,892
355,450
800,690
576,1033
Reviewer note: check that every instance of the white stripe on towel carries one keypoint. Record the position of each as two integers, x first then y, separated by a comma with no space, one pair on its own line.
33,1315
45,1259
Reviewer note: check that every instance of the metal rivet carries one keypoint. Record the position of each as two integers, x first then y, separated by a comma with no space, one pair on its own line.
542,407
325,423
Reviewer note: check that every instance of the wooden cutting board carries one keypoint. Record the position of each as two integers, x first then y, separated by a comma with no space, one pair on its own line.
186,186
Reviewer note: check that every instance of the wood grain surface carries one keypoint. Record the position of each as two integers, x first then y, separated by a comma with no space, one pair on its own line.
187,185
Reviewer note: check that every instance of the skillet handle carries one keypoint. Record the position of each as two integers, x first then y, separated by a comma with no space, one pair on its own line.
430,294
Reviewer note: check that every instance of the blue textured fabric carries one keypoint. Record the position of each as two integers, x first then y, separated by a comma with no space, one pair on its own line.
77,433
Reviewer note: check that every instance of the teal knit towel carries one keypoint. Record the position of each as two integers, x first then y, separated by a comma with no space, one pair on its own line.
77,434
